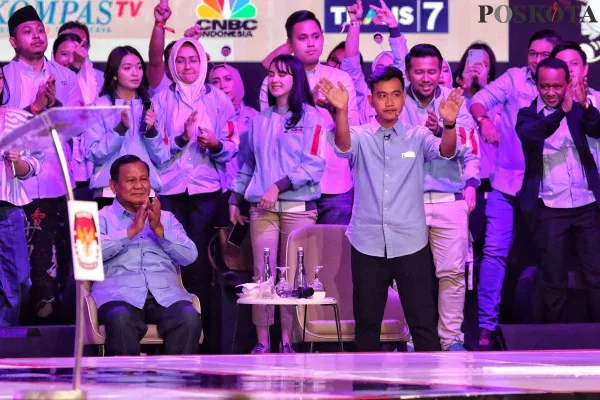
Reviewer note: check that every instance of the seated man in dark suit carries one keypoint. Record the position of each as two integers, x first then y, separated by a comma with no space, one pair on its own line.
141,247
561,189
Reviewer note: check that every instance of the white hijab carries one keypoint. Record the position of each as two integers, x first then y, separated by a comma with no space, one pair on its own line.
189,92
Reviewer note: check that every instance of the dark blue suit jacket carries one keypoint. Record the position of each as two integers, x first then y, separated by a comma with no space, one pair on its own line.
533,128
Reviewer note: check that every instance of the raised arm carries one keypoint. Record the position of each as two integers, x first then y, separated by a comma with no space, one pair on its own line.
156,65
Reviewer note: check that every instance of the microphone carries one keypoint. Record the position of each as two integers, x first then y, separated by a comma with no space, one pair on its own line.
387,136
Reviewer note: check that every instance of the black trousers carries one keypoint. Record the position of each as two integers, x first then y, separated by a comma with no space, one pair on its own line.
197,213
415,277
179,325
49,245
555,229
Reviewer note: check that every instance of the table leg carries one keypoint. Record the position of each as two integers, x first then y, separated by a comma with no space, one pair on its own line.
304,330
268,330
338,326
237,317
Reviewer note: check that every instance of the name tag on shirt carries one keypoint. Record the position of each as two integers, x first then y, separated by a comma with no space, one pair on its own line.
409,154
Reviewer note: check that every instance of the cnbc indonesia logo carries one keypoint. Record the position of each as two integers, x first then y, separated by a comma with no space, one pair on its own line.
227,18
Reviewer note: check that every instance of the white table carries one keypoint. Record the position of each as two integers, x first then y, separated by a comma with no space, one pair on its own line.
292,301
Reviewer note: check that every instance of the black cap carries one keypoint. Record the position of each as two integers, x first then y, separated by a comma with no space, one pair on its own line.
22,15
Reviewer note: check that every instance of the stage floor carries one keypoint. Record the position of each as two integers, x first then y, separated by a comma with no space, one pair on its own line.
315,376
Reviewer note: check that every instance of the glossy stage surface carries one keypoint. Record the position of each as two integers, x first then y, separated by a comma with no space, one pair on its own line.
317,376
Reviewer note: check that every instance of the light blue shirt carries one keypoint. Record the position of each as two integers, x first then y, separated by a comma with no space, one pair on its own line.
145,262
514,90
447,176
388,216
104,145
274,153
563,184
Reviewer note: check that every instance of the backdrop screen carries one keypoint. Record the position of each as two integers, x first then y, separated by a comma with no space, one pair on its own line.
252,28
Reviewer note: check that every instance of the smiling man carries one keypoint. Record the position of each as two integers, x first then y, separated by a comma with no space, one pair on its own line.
561,189
141,248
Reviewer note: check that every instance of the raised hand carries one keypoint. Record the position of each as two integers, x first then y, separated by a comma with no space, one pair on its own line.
162,13
355,11
194,32
449,107
385,15
12,155
580,91
80,54
338,97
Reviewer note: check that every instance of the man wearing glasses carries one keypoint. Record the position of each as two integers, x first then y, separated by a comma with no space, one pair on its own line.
513,90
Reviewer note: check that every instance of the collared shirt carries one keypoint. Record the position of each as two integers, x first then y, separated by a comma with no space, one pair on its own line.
388,216
274,153
145,262
240,128
104,145
23,84
352,66
563,184
11,186
447,176
337,178
514,90
191,168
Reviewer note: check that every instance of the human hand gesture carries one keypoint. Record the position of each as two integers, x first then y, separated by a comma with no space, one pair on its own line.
432,122
188,126
235,216
450,106
337,96
154,218
269,198
385,15
80,54
206,139
139,220
162,13
355,11
150,118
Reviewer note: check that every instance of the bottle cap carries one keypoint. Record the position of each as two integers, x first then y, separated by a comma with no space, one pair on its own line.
300,249
267,249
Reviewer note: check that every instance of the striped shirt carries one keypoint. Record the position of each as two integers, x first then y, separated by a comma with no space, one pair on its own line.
11,187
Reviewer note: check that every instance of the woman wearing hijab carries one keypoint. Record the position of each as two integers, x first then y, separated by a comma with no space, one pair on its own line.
283,165
133,132
195,118
228,79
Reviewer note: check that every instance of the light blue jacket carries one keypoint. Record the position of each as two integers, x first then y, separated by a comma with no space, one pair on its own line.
274,153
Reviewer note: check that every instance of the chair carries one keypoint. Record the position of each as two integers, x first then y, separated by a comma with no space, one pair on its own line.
328,245
94,334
